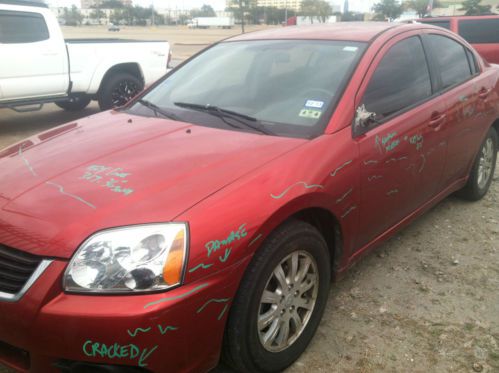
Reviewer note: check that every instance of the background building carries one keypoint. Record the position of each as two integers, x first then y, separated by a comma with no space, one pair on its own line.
289,4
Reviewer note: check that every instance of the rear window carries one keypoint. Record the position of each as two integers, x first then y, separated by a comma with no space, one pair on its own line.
22,27
480,31
439,23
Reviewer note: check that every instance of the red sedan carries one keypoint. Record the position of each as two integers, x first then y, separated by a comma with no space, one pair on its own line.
211,213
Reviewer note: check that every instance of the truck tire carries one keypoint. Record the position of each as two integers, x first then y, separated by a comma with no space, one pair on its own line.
75,103
117,89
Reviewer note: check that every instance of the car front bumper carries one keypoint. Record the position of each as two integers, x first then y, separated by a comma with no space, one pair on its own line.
176,331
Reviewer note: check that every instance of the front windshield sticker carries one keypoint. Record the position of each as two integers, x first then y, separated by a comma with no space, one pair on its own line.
350,49
309,113
314,104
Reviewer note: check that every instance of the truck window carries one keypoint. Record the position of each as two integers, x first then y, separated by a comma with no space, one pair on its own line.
22,27
402,79
440,23
451,59
480,31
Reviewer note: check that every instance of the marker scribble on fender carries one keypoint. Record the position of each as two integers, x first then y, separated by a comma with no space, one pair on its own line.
342,198
202,265
26,162
166,329
392,192
305,185
226,256
371,161
136,331
196,289
374,177
62,191
341,167
396,159
348,212
255,239
214,300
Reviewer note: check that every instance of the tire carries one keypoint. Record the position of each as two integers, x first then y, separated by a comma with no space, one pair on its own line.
117,89
244,343
75,103
482,172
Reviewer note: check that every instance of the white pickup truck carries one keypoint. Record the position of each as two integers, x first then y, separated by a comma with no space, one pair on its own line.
38,66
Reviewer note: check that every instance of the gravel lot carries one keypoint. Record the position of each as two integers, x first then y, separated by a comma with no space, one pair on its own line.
426,301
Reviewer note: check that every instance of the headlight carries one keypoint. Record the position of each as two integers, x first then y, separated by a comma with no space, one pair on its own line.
129,259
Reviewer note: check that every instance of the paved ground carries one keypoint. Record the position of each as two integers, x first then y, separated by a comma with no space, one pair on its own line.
426,301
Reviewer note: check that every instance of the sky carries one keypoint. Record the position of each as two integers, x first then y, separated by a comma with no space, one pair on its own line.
355,5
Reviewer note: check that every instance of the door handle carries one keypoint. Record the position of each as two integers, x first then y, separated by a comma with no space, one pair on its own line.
484,93
436,120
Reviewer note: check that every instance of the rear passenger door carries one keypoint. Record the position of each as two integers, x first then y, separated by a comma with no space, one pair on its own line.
466,93
402,150
32,64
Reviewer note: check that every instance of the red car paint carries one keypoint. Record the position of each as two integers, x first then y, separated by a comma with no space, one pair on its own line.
227,185
489,51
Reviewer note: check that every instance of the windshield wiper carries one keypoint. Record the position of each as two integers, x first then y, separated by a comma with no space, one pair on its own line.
157,110
224,113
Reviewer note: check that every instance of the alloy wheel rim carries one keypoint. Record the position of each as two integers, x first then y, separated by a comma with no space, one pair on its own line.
485,163
124,92
288,301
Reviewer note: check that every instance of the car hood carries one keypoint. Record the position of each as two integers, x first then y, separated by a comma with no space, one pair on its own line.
115,169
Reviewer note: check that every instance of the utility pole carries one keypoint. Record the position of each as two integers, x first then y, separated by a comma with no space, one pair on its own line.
286,12
152,13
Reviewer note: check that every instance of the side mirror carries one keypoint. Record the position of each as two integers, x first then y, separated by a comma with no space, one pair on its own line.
364,118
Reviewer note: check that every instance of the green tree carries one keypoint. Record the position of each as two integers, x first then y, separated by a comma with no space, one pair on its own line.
421,6
474,8
242,10
205,11
72,17
97,14
390,9
319,9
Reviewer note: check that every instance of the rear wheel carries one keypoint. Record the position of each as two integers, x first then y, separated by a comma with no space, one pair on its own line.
75,103
280,301
483,169
118,89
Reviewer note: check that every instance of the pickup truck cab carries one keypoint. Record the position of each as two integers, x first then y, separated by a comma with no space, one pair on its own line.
41,67
482,32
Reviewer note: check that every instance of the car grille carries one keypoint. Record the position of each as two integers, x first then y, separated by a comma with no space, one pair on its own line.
16,268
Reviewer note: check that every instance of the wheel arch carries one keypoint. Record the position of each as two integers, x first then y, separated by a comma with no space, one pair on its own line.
495,125
324,220
132,68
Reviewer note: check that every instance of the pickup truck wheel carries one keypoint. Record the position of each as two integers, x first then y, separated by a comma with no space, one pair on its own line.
482,172
280,301
75,103
118,89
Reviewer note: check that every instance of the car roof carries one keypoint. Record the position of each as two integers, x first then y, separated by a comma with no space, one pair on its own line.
444,18
351,31
36,3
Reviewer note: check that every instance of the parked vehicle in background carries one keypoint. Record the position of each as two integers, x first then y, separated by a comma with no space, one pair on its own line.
113,28
303,21
42,67
207,22
211,212
482,32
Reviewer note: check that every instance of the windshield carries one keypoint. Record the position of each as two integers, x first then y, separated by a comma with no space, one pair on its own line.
277,87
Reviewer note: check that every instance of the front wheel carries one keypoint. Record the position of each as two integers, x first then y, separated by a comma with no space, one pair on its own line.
280,301
118,89
482,172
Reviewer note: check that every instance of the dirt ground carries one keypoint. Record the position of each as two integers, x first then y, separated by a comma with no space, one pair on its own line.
425,301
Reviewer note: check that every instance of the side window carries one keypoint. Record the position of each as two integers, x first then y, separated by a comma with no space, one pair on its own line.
401,79
480,31
441,23
451,59
22,27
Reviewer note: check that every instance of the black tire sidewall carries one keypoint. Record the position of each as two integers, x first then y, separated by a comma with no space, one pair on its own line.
78,104
300,236
108,86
